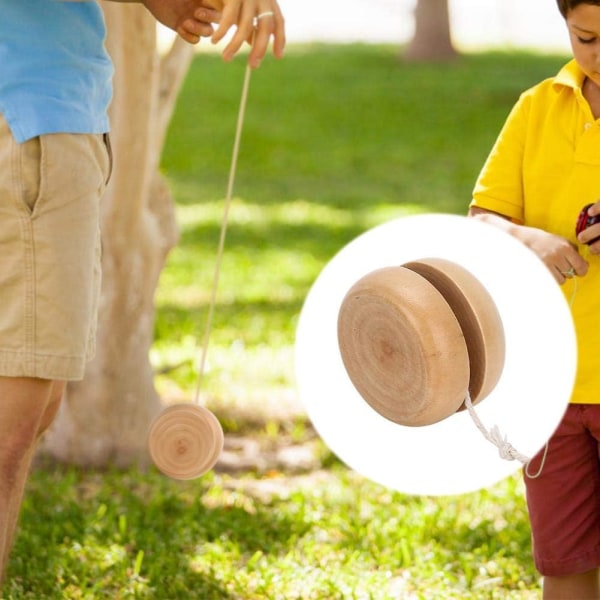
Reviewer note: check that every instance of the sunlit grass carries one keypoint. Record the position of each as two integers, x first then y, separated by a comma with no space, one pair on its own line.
326,535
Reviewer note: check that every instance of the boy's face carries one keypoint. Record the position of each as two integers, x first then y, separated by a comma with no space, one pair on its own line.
583,22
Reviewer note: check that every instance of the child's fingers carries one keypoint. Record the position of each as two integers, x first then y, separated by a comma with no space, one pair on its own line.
594,210
269,24
568,263
207,15
591,237
256,21
191,31
279,34
245,30
579,265
589,234
229,17
265,27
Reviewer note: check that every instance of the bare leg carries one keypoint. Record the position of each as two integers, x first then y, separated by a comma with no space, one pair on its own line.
27,407
583,586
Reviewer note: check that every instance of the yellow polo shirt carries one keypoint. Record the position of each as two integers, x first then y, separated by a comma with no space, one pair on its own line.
542,170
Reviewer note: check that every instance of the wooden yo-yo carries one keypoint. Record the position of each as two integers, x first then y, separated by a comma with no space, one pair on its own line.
416,338
185,441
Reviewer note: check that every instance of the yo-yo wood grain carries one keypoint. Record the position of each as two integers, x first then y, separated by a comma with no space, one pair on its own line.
402,347
185,441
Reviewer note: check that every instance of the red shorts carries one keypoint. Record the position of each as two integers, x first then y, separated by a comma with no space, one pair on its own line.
564,501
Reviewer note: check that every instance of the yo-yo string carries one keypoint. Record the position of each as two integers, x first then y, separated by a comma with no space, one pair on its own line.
222,236
505,449
584,255
571,300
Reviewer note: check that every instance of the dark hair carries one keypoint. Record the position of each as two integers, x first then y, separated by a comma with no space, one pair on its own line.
566,5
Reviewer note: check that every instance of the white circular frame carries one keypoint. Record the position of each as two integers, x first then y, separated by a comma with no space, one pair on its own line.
452,456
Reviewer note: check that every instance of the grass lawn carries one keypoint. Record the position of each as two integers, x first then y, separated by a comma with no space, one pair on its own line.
337,139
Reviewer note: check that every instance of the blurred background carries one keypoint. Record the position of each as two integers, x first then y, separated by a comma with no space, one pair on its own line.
476,24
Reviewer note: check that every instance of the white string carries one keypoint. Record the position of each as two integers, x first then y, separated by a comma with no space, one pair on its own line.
542,463
506,450
215,283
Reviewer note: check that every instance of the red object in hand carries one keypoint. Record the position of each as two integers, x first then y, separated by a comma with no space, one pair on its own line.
584,221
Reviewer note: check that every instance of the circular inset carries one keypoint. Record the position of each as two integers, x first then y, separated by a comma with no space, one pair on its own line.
185,441
525,402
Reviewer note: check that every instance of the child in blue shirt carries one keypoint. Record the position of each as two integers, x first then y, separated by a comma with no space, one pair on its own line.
55,87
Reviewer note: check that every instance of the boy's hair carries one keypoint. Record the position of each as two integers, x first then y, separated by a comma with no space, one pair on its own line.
566,5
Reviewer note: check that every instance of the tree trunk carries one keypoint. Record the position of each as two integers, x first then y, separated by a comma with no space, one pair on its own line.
104,419
432,40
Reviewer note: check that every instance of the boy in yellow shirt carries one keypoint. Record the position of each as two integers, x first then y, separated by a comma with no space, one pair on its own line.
542,171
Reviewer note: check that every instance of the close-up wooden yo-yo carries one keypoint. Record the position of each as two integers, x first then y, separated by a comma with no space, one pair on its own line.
416,338
185,441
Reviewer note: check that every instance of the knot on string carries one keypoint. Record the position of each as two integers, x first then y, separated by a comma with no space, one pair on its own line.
505,449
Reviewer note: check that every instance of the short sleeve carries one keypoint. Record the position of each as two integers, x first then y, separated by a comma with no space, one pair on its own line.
499,187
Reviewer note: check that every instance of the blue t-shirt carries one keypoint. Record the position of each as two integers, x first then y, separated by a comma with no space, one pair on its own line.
55,74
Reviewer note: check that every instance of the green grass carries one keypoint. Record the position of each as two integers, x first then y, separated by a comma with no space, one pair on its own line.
337,139
328,535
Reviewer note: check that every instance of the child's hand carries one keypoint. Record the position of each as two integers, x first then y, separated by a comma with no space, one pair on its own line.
557,253
592,232
191,19
257,21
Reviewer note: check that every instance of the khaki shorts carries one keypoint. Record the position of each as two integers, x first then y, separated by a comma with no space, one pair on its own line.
50,190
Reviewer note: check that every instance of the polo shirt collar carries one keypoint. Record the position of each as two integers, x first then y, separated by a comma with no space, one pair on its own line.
570,76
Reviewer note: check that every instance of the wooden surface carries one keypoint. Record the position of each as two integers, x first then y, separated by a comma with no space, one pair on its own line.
185,441
415,338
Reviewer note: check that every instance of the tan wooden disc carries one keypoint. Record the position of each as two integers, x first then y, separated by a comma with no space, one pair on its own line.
404,348
185,441
400,358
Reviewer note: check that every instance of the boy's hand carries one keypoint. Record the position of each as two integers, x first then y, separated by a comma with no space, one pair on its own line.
191,19
257,21
593,231
557,253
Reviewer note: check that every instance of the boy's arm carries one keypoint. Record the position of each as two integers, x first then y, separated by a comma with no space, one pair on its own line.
558,254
